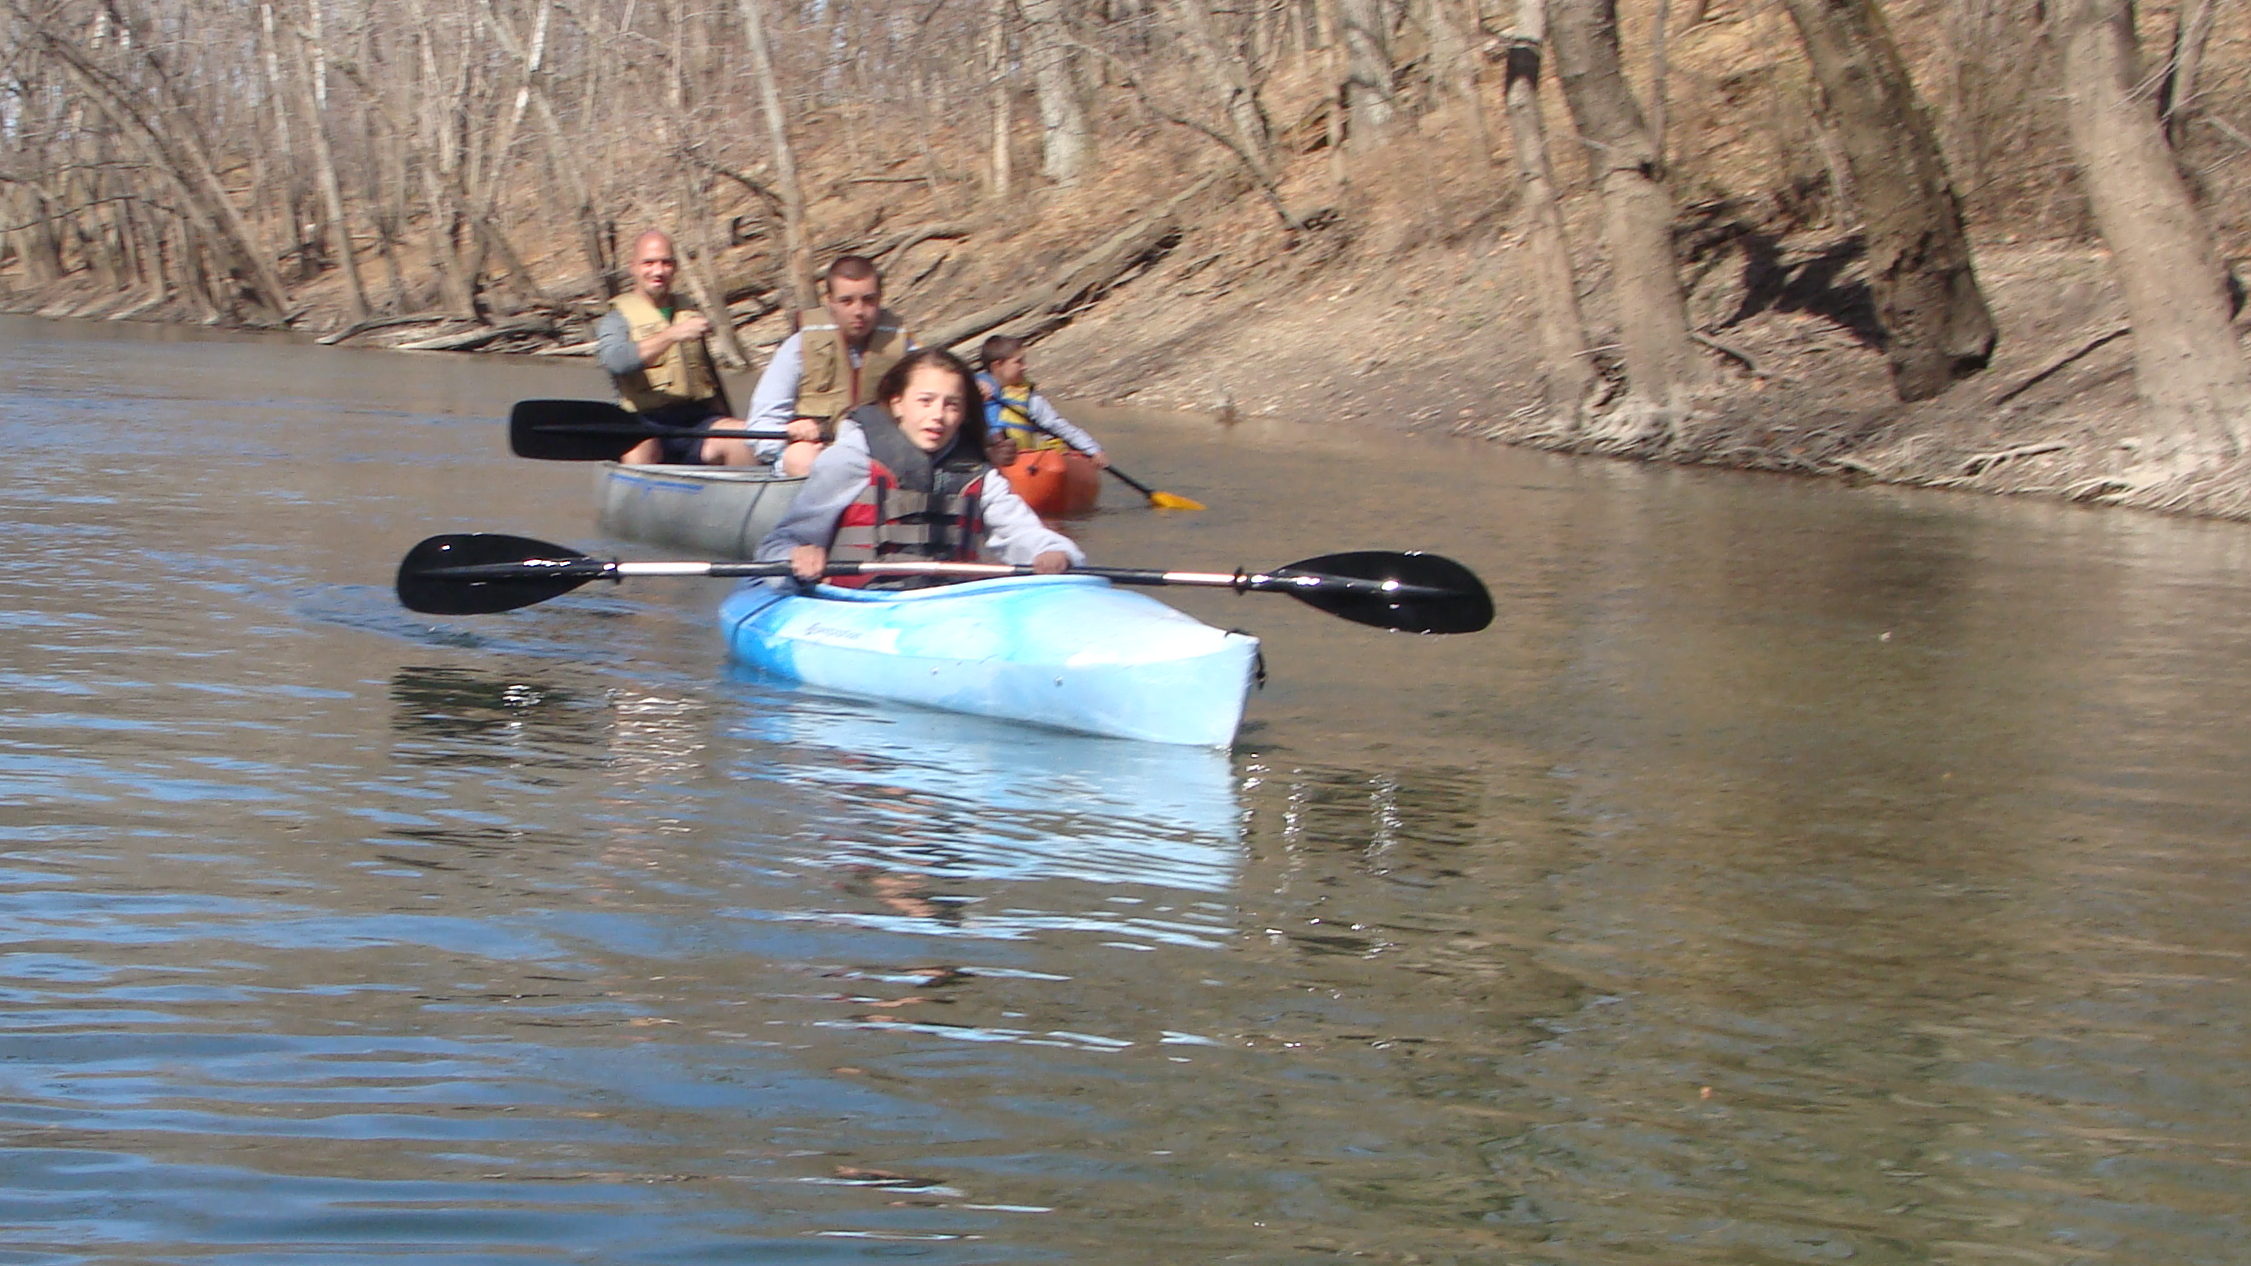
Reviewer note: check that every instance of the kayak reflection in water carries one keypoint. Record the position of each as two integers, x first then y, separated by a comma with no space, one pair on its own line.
907,481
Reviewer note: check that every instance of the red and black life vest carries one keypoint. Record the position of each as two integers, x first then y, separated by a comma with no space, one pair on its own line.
916,506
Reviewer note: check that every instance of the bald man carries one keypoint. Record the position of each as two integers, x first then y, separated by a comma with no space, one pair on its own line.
653,349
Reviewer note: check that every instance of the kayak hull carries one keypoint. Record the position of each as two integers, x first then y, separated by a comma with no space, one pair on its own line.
1056,483
719,511
1068,652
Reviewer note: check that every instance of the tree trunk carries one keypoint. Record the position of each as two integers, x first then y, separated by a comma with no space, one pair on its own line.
1067,149
1451,38
150,221
2176,96
2188,364
1228,78
1936,326
1660,81
797,251
457,280
1662,367
36,243
1566,362
1002,104
696,256
304,73
281,99
561,146
388,209
1371,106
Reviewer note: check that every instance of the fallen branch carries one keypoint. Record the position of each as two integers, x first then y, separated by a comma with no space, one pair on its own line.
1733,353
2100,488
1088,277
759,189
371,324
901,243
478,338
1984,462
2055,366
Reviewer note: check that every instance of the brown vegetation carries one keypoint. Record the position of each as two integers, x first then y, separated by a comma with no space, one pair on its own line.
1202,206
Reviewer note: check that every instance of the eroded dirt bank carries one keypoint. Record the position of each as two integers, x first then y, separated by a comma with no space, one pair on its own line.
1406,312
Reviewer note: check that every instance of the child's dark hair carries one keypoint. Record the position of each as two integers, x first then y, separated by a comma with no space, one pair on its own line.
894,385
999,347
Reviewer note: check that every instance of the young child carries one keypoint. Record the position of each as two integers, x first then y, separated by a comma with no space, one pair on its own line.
1016,413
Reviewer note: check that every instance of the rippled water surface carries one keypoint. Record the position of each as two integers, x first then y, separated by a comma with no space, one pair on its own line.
1792,874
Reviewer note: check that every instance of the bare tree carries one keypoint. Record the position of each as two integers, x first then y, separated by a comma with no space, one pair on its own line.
568,175
1228,74
1372,106
1001,99
1662,366
2188,365
1454,67
797,251
1067,132
134,87
1566,361
1936,325
308,92
2176,95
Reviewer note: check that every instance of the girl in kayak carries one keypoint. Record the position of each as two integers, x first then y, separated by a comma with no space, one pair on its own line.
907,480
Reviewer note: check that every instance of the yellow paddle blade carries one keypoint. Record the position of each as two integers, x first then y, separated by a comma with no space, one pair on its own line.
1174,501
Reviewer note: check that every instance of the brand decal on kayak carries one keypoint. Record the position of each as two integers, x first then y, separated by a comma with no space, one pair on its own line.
867,639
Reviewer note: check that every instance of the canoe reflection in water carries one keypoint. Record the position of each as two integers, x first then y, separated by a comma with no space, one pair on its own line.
919,802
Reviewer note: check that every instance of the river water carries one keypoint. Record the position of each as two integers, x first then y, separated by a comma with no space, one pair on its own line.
1792,874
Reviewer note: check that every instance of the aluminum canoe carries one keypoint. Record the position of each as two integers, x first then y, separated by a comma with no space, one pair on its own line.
718,511
1068,652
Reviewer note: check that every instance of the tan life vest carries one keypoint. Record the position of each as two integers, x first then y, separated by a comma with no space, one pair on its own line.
830,385
682,375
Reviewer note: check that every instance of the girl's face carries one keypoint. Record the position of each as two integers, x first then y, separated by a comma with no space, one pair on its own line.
931,409
1008,371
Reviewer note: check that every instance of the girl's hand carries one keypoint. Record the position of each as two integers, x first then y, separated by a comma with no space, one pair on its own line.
807,561
1054,562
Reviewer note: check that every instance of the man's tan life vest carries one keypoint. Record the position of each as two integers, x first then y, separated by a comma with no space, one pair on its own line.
683,375
830,385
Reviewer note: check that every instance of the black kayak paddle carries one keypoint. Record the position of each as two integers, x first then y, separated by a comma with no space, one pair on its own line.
596,430
480,573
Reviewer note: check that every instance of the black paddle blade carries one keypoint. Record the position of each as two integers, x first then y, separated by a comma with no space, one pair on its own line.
479,573
1414,593
573,430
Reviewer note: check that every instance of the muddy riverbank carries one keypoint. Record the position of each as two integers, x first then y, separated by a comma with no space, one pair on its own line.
1409,313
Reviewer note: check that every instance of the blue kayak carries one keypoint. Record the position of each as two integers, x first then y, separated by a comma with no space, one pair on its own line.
1070,652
